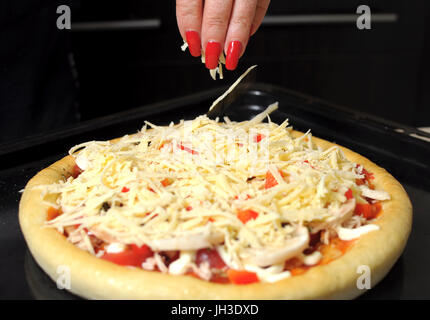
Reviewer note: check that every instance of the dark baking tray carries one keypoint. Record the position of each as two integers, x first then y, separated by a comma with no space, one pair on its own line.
386,143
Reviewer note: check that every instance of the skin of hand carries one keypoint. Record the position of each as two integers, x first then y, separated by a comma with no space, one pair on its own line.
217,25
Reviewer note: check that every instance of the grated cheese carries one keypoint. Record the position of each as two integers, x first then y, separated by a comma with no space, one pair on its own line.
180,187
351,234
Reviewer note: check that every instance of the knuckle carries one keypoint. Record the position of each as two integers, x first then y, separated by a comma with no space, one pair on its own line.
241,21
187,9
188,12
263,5
215,22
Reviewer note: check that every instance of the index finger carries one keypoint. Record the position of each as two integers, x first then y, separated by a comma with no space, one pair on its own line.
189,16
216,17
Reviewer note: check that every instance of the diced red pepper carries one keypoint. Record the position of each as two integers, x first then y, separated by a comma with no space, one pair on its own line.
363,209
143,251
52,213
125,189
270,179
166,182
258,137
210,256
246,215
348,194
182,147
367,177
131,256
359,182
367,174
189,208
367,210
241,277
76,171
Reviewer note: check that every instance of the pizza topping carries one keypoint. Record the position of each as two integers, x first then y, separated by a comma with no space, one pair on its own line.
76,171
115,247
338,217
290,247
242,277
348,194
367,210
127,255
82,163
211,257
271,274
52,213
312,259
200,238
246,215
182,265
225,201
374,194
273,177
350,234
258,137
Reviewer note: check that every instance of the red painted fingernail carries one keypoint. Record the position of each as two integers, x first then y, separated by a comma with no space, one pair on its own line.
193,40
212,52
233,54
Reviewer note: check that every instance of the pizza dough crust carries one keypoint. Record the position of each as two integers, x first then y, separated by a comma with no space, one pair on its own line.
94,278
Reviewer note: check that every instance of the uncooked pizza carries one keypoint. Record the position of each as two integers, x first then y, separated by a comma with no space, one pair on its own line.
211,209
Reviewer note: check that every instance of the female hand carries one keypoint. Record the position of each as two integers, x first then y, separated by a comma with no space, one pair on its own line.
219,24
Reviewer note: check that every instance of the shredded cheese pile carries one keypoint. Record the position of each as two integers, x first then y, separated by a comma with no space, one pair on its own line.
182,187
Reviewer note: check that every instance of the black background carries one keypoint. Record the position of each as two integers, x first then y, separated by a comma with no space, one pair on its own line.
384,71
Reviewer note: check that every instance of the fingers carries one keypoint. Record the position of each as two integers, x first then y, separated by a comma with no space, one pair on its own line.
260,12
239,31
217,25
216,17
189,17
